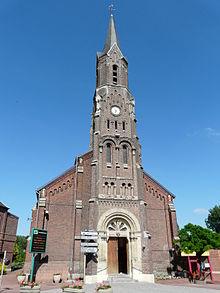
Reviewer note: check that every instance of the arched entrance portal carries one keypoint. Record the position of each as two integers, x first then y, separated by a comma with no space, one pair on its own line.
119,243
118,237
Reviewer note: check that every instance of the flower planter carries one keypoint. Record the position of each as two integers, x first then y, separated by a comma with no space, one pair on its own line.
28,289
74,290
56,278
109,290
21,278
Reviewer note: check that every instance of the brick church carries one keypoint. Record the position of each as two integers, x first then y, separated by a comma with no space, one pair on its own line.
108,192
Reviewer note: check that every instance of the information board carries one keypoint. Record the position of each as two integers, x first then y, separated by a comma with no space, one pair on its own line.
38,241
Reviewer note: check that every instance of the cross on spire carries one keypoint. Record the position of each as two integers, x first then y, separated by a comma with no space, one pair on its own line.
111,7
112,34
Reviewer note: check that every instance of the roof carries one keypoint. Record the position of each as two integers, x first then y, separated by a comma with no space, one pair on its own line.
112,36
12,215
54,179
159,184
62,174
3,206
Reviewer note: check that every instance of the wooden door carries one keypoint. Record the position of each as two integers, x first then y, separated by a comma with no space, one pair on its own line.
113,255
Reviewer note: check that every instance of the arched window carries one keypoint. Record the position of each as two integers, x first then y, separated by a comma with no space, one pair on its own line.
125,155
115,73
109,155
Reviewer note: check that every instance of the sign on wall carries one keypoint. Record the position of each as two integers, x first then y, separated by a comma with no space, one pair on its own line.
38,241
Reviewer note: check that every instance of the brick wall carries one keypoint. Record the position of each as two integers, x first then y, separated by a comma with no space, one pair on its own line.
8,229
160,223
60,205
10,235
215,263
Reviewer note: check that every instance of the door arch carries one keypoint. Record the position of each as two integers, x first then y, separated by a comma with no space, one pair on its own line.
122,229
118,232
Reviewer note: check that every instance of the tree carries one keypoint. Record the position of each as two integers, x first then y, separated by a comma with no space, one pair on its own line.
213,220
15,252
194,238
19,252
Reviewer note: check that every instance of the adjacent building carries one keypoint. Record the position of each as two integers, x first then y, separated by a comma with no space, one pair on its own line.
8,229
107,191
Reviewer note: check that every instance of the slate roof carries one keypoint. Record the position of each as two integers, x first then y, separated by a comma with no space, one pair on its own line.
112,36
3,206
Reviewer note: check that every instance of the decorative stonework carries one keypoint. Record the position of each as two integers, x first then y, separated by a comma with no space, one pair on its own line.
117,226
147,235
80,169
79,204
61,187
118,203
171,207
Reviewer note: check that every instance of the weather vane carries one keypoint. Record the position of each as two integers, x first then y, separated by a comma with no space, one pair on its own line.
111,7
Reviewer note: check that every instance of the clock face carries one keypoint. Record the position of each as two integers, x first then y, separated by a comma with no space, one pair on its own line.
115,110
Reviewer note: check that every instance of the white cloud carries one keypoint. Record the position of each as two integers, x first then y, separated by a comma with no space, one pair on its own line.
212,132
205,132
201,211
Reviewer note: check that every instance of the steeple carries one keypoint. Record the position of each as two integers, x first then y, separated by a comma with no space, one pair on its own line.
111,66
112,36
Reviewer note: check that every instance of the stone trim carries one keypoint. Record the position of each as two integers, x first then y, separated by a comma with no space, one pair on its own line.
79,204
171,207
118,213
80,169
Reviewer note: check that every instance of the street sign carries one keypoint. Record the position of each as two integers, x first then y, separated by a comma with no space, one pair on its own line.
88,241
89,249
89,244
89,237
89,233
38,241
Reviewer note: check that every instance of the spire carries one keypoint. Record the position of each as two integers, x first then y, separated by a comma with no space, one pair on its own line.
112,36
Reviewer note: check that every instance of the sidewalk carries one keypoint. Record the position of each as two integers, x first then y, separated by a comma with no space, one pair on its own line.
10,285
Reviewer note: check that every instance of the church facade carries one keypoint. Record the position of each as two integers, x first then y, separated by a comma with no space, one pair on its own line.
108,192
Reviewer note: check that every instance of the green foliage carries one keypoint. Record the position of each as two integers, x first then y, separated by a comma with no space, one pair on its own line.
19,252
16,252
198,239
213,220
4,271
17,265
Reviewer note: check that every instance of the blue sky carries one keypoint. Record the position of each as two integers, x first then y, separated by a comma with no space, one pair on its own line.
47,80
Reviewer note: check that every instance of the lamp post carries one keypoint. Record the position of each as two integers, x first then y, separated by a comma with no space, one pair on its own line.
3,264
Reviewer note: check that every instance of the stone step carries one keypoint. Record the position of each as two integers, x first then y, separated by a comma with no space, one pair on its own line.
120,278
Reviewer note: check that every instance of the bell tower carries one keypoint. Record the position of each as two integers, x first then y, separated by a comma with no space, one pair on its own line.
116,150
116,205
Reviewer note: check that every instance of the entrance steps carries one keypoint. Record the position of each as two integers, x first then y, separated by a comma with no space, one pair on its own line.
120,278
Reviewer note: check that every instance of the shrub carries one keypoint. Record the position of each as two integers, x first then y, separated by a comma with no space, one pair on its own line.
4,271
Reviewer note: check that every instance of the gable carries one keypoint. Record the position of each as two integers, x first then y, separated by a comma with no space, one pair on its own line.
153,184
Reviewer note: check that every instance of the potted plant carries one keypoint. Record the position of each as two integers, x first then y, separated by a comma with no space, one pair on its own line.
76,286
21,277
57,278
104,287
27,287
